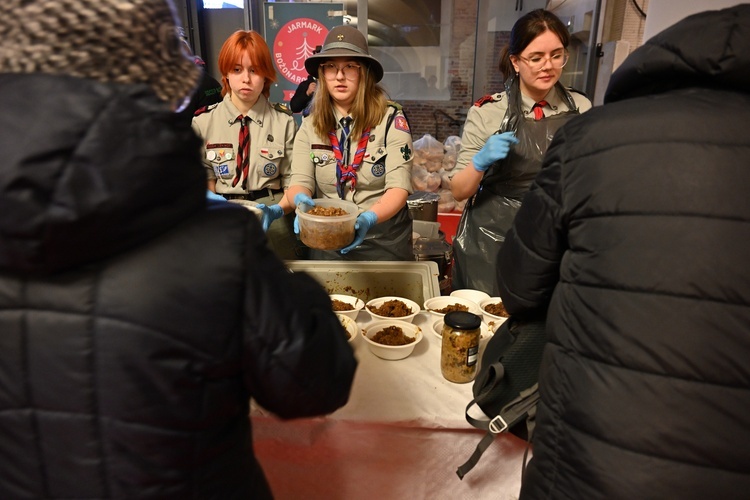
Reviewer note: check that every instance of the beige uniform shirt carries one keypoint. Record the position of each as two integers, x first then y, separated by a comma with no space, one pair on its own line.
483,120
384,166
272,133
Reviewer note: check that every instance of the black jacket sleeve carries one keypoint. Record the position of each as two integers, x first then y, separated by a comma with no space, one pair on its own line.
300,99
297,360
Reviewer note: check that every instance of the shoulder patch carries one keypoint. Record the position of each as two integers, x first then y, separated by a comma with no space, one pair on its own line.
395,105
488,98
205,109
401,124
278,106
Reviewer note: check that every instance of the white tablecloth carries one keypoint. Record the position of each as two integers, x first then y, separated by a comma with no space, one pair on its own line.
401,435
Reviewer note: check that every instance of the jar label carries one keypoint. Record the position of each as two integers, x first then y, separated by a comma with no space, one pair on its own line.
471,355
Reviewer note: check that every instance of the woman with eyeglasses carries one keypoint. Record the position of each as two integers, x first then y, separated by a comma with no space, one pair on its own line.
355,145
504,140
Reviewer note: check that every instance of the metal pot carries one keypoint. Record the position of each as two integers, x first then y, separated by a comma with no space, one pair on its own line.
439,251
423,205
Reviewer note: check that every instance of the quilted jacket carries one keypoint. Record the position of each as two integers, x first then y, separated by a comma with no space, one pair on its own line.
636,237
136,322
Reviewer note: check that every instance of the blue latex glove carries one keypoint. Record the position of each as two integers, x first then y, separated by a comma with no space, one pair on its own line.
270,214
298,199
303,198
496,148
364,223
210,195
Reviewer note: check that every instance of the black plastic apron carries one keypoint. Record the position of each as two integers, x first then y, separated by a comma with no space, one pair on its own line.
489,214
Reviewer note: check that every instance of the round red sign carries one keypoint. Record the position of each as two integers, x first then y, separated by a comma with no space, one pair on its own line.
294,43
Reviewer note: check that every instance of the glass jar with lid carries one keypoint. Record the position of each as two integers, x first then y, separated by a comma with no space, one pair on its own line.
460,346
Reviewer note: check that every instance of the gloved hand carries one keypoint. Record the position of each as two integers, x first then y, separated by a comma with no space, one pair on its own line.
496,148
270,214
298,199
210,195
364,223
303,198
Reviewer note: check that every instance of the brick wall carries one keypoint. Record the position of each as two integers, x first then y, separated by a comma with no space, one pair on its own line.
625,23
428,117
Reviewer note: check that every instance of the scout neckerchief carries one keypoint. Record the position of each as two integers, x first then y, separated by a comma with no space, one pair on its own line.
346,171
243,152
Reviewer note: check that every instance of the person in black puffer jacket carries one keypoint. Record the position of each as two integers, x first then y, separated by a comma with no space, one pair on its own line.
137,319
635,236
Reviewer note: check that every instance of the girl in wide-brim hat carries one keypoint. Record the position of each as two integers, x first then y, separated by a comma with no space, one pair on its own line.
355,145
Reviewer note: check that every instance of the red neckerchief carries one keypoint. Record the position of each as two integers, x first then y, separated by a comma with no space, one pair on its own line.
348,172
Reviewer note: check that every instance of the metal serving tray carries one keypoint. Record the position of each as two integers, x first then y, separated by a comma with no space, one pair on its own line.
368,280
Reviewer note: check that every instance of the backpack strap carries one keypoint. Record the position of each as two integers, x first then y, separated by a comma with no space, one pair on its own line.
524,406
495,374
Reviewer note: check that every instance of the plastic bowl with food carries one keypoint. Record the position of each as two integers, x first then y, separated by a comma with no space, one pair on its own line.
476,296
329,225
381,336
348,305
438,307
352,330
484,331
393,308
496,315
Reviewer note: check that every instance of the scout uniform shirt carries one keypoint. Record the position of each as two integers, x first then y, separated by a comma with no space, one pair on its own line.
485,116
271,129
385,165
489,214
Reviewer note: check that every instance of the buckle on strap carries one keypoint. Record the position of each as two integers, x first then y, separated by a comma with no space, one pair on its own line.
498,425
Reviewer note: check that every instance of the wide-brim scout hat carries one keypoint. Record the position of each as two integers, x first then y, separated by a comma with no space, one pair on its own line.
345,41
119,41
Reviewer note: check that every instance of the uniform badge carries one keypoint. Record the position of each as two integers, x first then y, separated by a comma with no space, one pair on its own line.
270,169
210,155
222,171
324,157
406,152
229,155
264,151
378,170
401,124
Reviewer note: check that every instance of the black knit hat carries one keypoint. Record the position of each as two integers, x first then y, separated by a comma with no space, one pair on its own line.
345,41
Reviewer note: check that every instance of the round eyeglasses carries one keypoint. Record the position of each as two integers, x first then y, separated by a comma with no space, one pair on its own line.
537,62
331,71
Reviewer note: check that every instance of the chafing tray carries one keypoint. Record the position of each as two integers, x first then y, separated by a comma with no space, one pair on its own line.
368,280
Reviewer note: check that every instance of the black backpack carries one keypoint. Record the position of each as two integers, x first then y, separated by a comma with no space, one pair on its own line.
506,386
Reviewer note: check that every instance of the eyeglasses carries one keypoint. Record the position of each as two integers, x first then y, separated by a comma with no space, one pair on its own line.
331,71
536,62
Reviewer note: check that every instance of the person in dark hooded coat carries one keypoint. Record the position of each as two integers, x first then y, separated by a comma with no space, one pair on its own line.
635,237
137,320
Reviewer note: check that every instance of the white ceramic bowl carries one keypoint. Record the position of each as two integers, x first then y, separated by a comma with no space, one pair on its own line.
476,296
391,352
350,325
357,304
250,205
434,304
484,330
493,321
378,302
